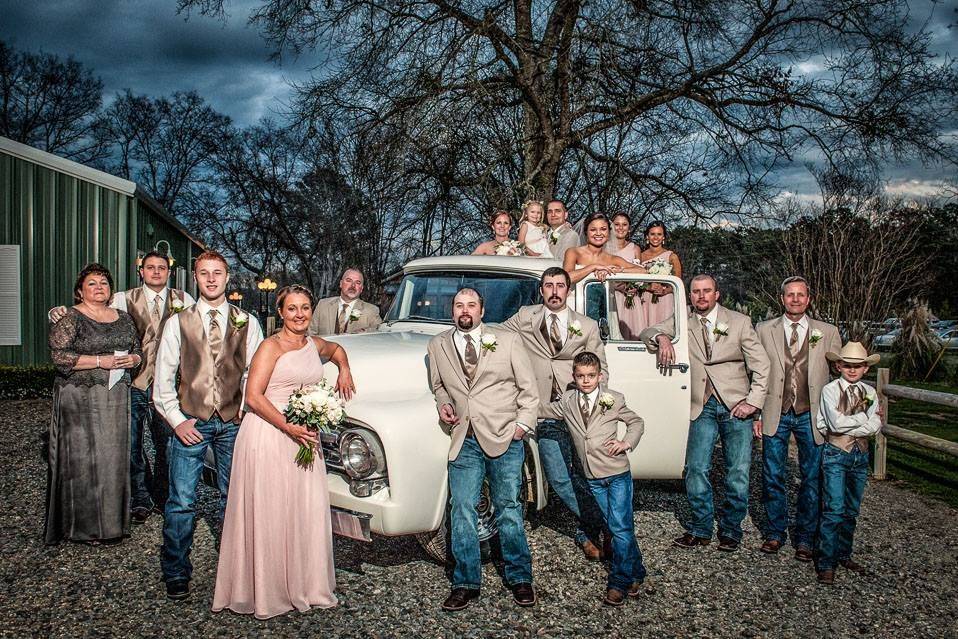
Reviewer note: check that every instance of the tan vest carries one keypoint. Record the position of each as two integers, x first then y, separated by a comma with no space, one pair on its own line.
795,392
150,332
206,386
846,442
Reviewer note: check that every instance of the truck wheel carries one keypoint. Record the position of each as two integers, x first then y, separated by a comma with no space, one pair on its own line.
436,542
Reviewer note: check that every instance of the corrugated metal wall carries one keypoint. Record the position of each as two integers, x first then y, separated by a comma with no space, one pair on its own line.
63,223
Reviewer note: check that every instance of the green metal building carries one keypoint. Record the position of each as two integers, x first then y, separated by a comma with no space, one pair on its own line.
56,216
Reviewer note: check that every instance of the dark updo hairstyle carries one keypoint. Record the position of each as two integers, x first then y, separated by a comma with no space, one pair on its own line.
88,270
652,225
286,291
495,216
596,216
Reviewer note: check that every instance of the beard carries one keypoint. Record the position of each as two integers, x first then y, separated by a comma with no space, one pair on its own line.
464,322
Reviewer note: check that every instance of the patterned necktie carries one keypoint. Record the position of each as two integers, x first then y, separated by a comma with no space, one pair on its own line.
554,336
341,320
215,336
585,408
155,312
705,337
793,340
472,358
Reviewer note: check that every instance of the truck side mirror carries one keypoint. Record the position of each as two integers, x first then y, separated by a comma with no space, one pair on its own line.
604,329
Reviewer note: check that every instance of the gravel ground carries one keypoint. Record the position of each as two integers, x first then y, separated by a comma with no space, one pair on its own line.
390,588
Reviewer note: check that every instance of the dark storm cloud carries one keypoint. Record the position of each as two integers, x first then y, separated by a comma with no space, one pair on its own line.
145,46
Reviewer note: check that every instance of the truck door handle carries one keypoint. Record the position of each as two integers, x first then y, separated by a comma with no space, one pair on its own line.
667,370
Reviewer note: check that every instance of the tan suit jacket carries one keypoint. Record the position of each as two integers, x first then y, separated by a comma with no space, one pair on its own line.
772,335
527,323
589,439
568,238
733,357
503,390
327,310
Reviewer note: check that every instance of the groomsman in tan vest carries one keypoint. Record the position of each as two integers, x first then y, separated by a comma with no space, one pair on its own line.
796,345
210,345
150,306
724,351
486,396
553,335
345,313
561,236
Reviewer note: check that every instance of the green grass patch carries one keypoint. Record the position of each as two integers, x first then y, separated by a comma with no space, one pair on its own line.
927,472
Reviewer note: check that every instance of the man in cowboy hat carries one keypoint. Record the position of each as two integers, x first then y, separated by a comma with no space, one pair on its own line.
848,415
796,346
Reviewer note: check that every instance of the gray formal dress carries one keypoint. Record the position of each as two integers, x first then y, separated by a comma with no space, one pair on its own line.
88,481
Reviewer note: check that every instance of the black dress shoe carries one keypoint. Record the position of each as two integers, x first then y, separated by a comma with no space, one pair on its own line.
139,515
524,594
727,544
688,540
804,554
459,598
178,589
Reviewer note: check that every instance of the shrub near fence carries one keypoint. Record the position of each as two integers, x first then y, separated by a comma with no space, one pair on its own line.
26,382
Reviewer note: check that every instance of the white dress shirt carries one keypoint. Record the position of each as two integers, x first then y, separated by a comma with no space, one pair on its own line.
168,358
802,328
712,320
858,425
593,398
563,316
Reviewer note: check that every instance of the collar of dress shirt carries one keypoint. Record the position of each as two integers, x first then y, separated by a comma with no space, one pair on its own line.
563,316
802,323
204,308
712,316
845,385
593,396
151,294
475,333
349,305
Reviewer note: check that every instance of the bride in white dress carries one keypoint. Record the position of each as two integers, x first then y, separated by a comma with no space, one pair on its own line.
532,230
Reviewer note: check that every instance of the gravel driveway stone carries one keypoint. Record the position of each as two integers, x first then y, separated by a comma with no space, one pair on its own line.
390,588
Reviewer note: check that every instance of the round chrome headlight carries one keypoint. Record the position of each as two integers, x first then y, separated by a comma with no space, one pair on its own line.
361,454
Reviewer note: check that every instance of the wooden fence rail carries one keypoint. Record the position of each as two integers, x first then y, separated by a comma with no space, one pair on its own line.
886,390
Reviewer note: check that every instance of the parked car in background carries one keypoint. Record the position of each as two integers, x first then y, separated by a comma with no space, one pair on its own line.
884,342
949,338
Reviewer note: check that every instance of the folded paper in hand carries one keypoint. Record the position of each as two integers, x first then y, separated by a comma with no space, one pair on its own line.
116,374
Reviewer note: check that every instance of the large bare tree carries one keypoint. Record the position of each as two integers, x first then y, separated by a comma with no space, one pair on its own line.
691,102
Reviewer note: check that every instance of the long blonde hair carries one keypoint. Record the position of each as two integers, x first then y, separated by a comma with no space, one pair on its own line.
525,213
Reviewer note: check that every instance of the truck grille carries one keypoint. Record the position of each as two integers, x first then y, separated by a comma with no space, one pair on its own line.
330,444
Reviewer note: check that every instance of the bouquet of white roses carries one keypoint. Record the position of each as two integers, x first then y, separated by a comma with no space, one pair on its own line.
660,267
318,408
510,247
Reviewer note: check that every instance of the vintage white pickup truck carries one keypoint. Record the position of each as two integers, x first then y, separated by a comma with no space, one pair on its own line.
387,466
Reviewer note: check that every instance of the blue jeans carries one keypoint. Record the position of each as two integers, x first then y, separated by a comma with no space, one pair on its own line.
186,469
843,484
466,474
714,422
148,486
614,496
775,476
565,480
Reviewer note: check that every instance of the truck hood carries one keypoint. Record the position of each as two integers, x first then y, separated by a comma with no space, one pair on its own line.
386,366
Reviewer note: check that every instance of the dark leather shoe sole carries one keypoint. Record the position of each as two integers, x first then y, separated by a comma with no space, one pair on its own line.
804,555
459,599
728,545
826,577
614,600
635,590
177,590
771,546
689,541
138,516
523,601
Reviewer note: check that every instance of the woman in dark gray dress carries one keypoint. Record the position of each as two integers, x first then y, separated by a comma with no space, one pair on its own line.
88,483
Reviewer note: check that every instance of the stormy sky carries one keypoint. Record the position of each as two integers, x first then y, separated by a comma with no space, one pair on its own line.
145,46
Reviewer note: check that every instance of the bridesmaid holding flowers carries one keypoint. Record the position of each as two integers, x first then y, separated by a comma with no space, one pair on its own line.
501,224
659,302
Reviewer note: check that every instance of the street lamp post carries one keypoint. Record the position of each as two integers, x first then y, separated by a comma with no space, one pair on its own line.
237,298
265,286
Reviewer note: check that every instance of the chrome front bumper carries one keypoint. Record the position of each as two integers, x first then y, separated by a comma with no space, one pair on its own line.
352,524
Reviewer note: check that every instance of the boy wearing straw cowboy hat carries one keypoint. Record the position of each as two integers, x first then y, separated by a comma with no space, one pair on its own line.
848,415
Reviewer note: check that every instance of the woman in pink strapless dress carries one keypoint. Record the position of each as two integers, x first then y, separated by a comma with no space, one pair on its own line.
659,304
276,552
632,321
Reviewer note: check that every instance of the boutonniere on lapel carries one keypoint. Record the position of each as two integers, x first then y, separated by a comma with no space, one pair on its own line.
867,402
554,236
814,337
720,330
176,305
239,320
606,401
575,327
355,314
488,342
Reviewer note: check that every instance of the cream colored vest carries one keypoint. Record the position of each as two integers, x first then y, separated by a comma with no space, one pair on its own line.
149,331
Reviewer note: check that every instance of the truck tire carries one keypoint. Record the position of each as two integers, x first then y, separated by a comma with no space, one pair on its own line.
436,543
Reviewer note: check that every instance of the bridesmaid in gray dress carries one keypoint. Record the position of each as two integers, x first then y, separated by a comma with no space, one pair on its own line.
88,481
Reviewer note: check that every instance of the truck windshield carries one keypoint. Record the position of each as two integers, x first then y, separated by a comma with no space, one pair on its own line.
427,297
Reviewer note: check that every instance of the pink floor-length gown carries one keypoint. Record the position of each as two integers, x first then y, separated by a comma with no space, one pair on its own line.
631,320
277,548
665,306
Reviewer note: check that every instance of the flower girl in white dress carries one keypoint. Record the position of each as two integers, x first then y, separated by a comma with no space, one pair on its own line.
532,230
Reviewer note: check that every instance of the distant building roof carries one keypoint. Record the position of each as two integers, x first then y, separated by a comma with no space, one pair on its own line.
94,176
